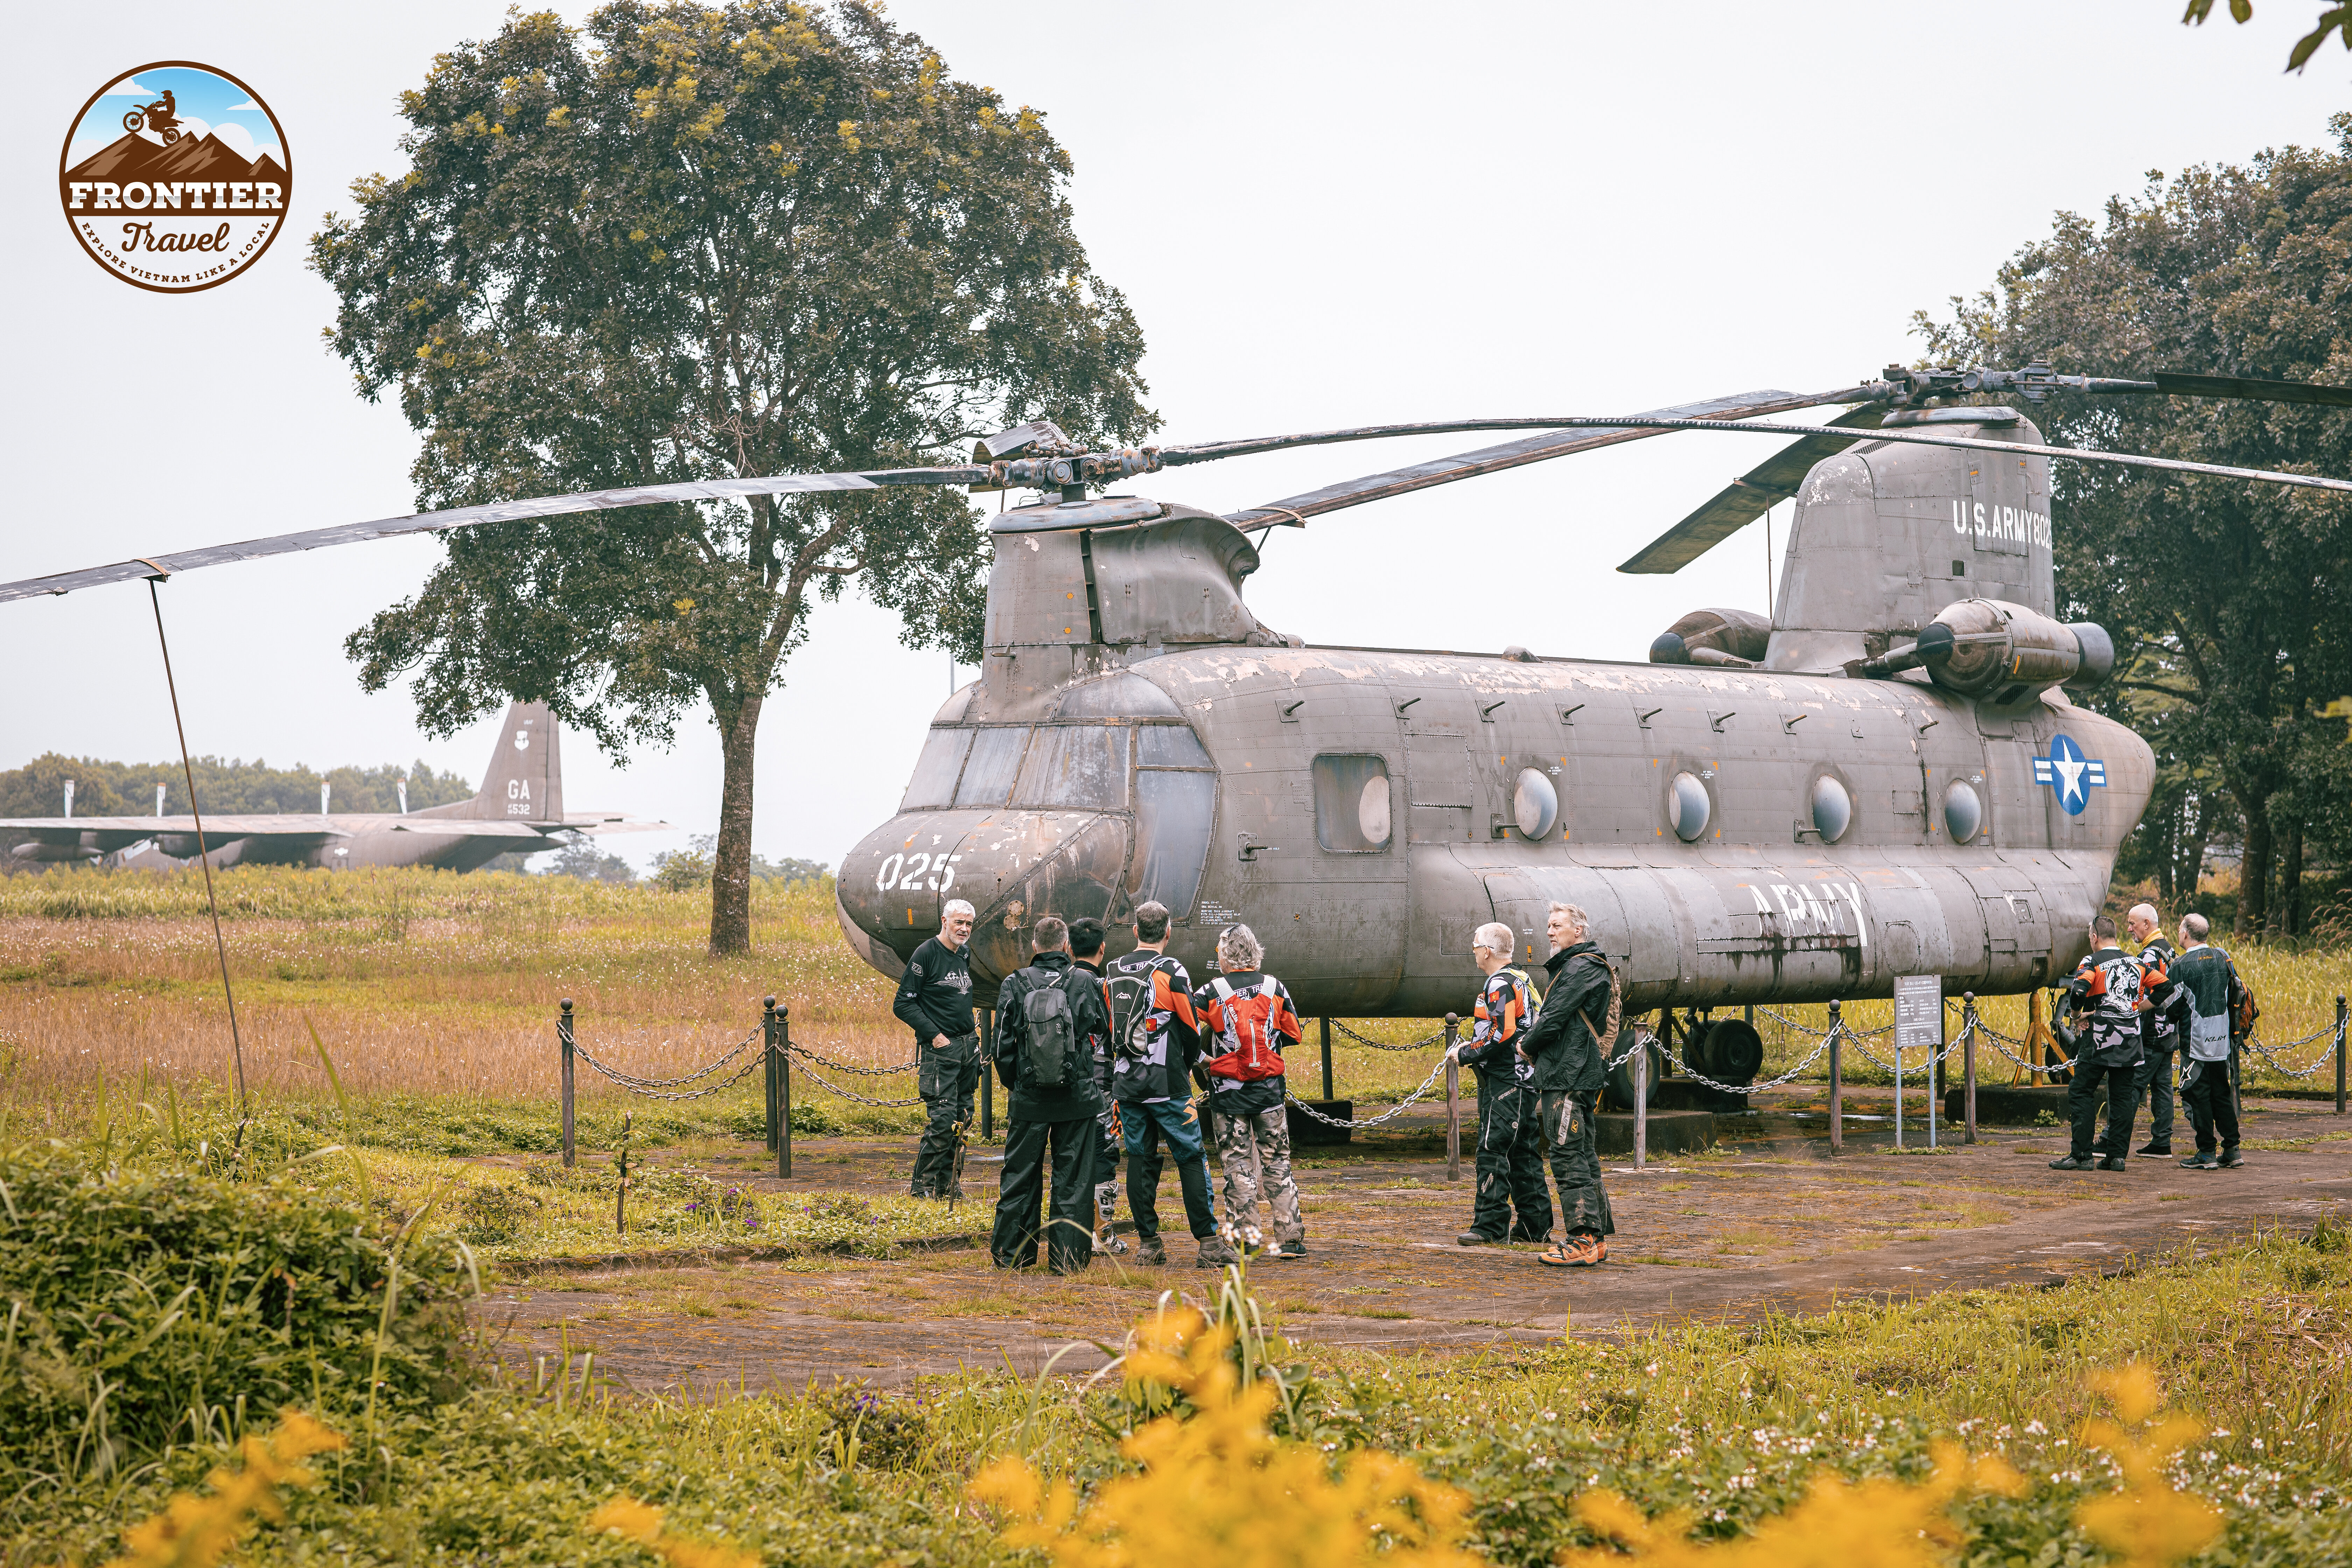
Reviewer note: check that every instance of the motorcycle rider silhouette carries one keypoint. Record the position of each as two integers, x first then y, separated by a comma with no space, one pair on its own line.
161,117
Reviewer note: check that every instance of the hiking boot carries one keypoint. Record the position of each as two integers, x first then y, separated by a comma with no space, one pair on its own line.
2111,1163
1216,1253
1477,1239
2154,1149
2232,1159
2071,1162
1153,1250
1582,1250
1291,1249
2203,1160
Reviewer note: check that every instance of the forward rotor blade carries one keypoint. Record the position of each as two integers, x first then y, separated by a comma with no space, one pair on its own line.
2181,385
465,516
1750,496
1556,442
1978,444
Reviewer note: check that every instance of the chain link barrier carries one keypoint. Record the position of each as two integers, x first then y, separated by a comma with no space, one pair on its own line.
1420,1045
821,1082
1390,1114
2270,1053
803,1051
653,1088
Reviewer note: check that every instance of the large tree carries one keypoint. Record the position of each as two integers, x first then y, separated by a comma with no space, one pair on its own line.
691,242
2229,600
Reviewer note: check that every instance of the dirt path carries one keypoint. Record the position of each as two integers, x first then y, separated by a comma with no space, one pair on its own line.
1766,1222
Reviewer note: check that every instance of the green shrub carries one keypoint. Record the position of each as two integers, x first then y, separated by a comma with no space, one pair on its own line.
150,1307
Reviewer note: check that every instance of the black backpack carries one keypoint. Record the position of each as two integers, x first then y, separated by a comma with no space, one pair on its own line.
1053,1031
1130,1007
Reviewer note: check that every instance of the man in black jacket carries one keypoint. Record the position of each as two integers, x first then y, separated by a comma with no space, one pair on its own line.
935,1001
2159,1025
1564,1045
1151,1078
2207,1084
1044,1057
2105,996
1510,1133
1086,934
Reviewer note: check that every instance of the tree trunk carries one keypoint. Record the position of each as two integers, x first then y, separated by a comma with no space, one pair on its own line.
2290,883
2191,868
730,872
2254,871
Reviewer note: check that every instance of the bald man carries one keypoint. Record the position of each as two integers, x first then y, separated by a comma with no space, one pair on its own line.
2159,1026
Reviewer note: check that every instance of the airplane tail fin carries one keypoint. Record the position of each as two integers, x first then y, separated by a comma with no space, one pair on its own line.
524,781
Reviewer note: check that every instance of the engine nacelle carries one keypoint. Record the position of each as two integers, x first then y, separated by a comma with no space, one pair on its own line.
38,850
1736,637
1995,651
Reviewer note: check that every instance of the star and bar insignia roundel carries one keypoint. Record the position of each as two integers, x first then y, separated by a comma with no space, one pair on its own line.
2070,773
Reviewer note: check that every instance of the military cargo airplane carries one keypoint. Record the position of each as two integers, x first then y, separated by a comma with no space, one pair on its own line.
1884,774
520,809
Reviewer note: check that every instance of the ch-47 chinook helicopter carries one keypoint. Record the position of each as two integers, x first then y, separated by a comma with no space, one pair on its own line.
1885,776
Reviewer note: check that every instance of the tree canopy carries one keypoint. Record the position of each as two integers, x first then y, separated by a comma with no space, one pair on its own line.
695,242
2228,600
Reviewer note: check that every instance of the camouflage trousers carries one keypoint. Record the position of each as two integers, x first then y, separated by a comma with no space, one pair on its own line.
1571,1143
1253,1150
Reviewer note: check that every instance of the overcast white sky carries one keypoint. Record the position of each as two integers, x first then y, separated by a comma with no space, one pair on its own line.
1323,213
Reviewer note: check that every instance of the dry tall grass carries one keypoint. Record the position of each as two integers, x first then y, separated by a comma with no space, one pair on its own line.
425,982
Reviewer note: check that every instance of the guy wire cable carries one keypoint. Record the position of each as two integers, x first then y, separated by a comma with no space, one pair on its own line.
237,1042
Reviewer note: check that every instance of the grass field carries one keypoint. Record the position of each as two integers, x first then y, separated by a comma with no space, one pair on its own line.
1728,1427
430,983
126,1376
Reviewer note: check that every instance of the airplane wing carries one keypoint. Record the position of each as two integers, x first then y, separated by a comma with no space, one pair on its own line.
111,833
595,823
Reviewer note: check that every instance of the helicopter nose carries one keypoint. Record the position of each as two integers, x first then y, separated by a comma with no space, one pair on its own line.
1012,866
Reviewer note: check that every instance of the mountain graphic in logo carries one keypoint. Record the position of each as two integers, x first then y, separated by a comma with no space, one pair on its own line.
191,191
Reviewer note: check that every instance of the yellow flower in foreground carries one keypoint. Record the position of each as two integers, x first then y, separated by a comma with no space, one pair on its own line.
1217,1487
642,1522
1874,1523
2148,1524
197,1531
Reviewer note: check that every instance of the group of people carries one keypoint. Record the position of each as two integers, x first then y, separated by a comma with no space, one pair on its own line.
2134,1014
1101,1062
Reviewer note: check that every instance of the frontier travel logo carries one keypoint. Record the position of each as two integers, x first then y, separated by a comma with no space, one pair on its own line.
176,177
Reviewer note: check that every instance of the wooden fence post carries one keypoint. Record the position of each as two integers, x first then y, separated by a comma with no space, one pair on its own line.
563,1034
1453,1104
1837,1086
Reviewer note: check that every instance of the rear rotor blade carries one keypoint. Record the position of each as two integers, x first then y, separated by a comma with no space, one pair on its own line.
465,516
1555,443
2180,386
1749,497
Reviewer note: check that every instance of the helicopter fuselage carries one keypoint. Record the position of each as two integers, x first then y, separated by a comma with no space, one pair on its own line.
1366,810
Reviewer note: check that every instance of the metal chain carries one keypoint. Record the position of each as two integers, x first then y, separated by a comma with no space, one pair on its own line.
1691,1072
739,1075
1852,1033
1401,1107
649,1085
850,1094
2255,1043
805,1052
1421,1044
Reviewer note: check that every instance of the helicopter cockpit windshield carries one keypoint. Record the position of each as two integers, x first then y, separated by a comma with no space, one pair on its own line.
1107,801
